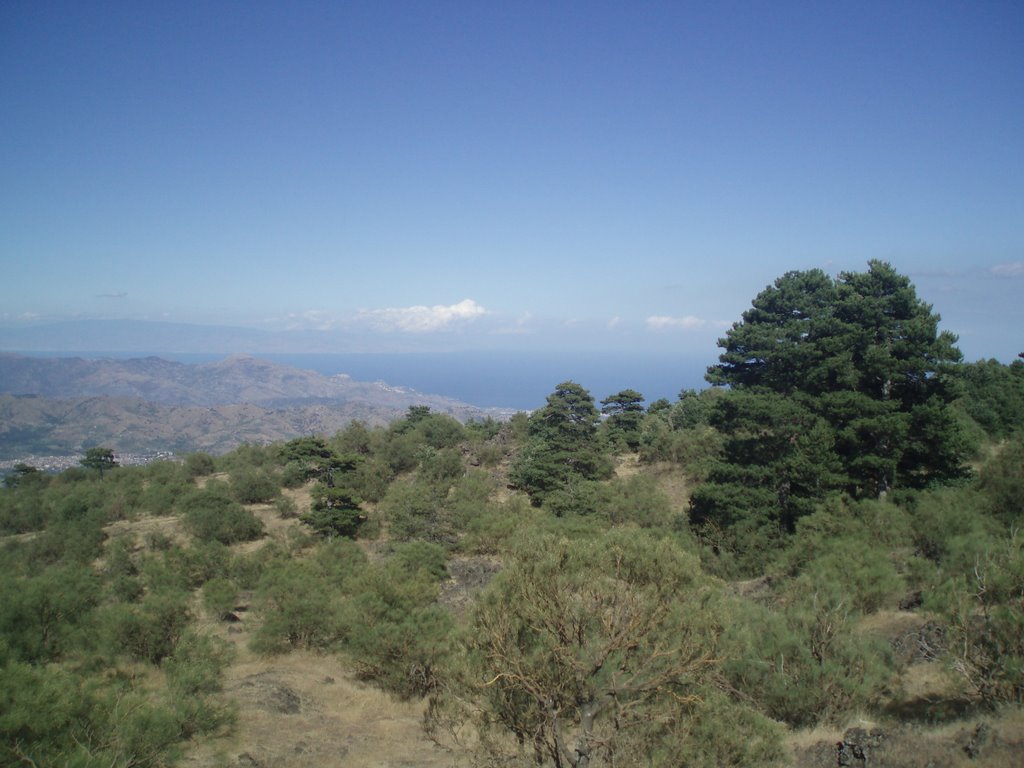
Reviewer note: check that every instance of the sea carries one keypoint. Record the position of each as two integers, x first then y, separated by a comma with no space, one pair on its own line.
512,379
508,379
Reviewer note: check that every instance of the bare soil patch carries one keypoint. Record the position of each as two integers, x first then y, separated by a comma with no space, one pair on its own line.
306,709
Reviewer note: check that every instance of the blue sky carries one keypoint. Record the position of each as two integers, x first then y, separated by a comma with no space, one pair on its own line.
471,175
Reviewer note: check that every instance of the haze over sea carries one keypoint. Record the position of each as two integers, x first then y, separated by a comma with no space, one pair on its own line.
513,379
509,379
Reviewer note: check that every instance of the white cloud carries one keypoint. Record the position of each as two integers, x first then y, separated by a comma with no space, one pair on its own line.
614,322
421,319
664,323
1010,269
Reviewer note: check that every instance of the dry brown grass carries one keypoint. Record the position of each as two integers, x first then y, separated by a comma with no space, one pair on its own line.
627,465
673,483
305,709
988,741
168,527
308,709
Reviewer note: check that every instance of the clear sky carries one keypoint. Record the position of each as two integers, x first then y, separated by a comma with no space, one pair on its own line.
448,175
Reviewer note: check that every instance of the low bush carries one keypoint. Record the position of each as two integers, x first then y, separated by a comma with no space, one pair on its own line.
148,630
220,597
805,664
254,486
211,516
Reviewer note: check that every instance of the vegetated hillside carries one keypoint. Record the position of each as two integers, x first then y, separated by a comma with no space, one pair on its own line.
62,405
318,602
559,589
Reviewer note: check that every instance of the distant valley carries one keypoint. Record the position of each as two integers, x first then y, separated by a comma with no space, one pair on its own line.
55,406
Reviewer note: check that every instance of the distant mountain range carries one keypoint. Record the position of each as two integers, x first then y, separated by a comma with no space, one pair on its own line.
51,406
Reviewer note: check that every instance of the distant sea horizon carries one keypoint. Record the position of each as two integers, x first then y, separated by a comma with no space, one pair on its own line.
520,380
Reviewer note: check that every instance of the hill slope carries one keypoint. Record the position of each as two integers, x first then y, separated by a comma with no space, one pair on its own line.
62,405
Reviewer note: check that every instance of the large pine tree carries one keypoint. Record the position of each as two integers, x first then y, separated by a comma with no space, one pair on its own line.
835,385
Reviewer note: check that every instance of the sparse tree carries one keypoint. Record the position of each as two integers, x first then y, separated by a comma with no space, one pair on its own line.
100,459
562,448
334,512
625,412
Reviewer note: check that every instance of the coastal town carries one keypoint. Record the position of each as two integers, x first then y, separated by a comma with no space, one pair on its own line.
60,463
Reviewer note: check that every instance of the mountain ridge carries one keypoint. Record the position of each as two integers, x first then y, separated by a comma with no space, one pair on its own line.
63,405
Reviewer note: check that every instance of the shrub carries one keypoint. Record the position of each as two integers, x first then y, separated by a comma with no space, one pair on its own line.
635,500
711,732
299,608
220,596
40,615
198,465
806,664
412,557
590,643
286,508
197,665
1002,482
149,630
211,516
397,634
984,611
417,511
254,486
335,512
370,479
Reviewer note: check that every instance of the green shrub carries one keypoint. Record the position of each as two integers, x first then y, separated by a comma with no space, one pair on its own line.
211,516
635,500
197,665
370,479
846,550
1002,482
806,664
396,633
417,511
983,606
414,556
220,596
710,731
335,512
198,465
298,607
254,486
440,466
149,630
489,531
286,508
41,617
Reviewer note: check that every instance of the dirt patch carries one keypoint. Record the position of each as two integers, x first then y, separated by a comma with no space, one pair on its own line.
753,589
468,575
147,530
308,710
989,742
673,483
627,465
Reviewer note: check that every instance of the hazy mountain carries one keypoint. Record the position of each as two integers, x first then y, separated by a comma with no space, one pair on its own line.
62,405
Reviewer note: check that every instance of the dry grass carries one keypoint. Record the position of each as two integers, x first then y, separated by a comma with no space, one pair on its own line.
627,465
145,528
991,741
671,481
306,710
